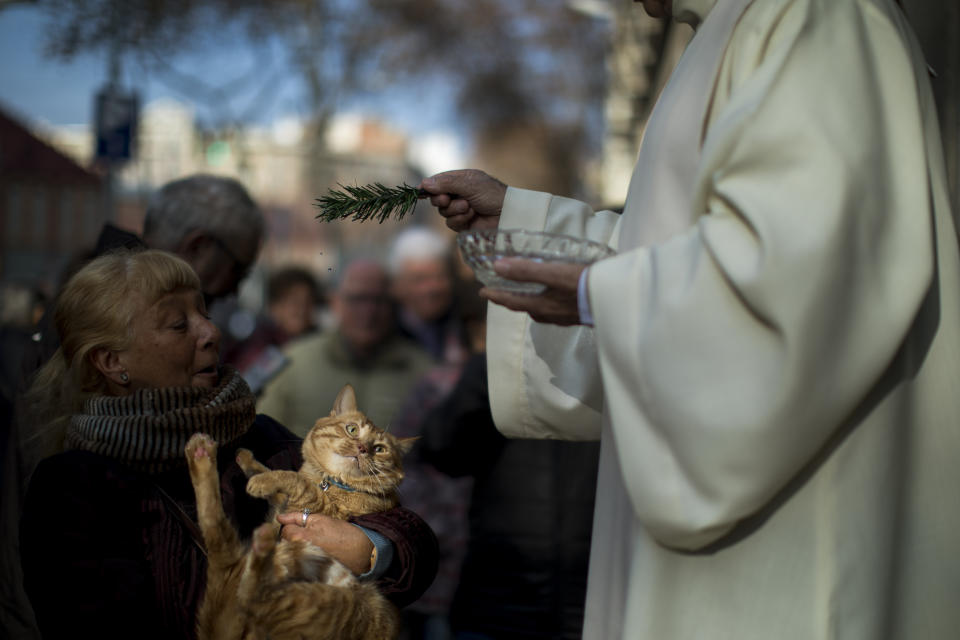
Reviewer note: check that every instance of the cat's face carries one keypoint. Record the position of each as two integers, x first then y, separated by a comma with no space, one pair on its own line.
347,445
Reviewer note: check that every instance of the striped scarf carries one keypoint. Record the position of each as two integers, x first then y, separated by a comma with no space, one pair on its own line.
148,430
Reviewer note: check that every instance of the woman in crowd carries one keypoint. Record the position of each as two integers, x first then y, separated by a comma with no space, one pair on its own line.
109,541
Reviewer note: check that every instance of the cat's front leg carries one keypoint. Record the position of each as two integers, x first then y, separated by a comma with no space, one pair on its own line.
279,487
248,464
219,535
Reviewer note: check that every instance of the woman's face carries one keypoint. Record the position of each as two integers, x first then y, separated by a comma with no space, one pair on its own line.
174,344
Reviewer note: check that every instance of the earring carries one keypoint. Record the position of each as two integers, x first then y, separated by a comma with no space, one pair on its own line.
124,377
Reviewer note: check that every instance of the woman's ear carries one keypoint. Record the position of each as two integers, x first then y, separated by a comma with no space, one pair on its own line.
107,362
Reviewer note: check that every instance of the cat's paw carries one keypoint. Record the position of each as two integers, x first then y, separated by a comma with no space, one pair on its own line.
201,452
245,457
248,464
261,486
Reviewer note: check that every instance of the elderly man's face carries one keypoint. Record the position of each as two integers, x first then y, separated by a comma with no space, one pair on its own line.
425,288
220,262
657,8
362,306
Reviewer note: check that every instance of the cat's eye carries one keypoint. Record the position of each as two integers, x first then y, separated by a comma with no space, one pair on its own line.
352,429
379,448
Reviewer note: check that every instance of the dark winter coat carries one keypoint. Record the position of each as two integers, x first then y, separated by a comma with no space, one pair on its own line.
531,514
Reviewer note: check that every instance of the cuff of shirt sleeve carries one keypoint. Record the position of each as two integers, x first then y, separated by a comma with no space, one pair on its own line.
384,549
583,301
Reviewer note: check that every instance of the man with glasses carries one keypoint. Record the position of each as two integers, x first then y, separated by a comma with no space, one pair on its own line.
363,349
212,223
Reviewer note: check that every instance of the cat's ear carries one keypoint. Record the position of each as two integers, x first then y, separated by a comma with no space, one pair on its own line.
346,400
406,444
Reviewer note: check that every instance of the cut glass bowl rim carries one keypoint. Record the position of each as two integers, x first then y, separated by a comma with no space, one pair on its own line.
480,248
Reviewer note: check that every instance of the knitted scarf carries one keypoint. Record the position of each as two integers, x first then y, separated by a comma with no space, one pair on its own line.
148,430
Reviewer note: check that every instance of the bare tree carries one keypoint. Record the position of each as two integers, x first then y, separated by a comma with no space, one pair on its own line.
514,65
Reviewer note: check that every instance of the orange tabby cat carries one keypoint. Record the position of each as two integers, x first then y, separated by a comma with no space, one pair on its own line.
350,467
282,589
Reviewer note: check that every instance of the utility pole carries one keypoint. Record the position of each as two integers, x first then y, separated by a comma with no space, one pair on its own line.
116,124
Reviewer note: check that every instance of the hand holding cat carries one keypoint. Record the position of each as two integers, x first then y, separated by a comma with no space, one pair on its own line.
339,538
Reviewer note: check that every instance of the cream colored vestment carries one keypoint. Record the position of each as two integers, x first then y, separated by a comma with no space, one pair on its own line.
775,362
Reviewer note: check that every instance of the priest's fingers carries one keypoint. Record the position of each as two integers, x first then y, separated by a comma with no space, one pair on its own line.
556,305
555,275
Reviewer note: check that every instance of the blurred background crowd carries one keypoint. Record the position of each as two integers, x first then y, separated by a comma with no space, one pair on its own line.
289,99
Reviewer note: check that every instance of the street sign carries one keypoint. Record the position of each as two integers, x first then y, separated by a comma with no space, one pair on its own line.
116,119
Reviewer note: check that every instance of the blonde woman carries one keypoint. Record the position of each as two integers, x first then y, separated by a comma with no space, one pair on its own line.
109,545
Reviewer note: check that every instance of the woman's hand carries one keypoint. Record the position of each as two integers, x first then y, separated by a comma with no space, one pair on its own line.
556,305
467,198
342,540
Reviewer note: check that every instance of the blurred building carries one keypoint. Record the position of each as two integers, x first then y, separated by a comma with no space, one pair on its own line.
643,53
51,208
281,164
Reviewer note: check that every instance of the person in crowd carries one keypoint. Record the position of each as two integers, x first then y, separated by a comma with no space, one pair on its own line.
363,349
294,299
421,265
212,223
110,546
530,517
769,359
209,221
19,306
437,497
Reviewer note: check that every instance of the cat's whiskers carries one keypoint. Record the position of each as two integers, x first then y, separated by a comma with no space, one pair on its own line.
379,480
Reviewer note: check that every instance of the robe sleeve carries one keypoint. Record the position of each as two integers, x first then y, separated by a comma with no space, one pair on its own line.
544,380
732,353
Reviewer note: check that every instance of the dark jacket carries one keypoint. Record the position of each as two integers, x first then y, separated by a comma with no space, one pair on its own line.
105,554
531,514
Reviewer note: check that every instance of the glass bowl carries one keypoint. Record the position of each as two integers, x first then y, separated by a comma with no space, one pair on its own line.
480,249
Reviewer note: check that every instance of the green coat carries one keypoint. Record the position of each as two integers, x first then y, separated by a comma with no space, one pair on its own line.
319,367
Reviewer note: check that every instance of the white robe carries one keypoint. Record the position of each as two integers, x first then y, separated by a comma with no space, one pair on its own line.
776,355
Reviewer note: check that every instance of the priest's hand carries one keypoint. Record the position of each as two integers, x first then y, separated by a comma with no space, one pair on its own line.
556,305
467,198
342,540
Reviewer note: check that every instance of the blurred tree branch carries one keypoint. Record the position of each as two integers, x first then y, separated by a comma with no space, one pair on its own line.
511,63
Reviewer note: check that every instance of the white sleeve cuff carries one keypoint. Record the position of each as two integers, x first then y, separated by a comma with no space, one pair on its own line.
583,302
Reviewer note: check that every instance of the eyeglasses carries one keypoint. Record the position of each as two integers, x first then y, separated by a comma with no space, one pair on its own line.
240,268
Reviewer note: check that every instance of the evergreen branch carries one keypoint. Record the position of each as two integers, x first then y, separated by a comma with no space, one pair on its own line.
365,202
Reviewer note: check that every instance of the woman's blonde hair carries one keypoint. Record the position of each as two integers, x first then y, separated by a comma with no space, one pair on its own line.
95,309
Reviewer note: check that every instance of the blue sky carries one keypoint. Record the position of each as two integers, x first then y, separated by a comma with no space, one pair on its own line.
34,87
45,90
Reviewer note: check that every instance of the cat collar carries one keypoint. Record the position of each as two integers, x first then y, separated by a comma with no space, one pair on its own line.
326,482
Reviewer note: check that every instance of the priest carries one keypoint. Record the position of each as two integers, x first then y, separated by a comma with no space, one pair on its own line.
770,361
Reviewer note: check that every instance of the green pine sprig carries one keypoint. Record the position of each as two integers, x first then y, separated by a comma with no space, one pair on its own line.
360,203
